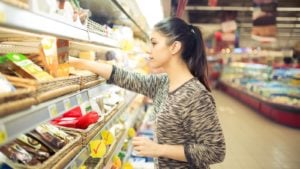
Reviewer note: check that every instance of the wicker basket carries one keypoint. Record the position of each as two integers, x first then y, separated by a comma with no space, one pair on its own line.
20,99
46,90
114,110
93,129
90,81
64,160
71,149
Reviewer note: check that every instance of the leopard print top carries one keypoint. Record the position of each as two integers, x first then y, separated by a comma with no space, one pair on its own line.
186,116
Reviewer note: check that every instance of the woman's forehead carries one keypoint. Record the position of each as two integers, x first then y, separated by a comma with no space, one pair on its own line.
156,35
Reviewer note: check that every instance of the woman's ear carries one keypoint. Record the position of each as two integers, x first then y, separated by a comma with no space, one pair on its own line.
175,47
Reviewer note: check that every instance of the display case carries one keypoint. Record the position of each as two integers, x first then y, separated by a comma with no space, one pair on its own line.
273,92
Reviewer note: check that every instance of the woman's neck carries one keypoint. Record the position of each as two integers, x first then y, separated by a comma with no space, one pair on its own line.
178,73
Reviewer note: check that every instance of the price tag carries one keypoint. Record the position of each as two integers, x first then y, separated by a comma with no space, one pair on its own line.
83,167
79,99
107,137
53,111
67,104
131,132
3,134
2,17
128,165
98,148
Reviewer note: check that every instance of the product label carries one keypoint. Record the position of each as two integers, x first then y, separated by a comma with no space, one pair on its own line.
79,99
131,132
53,111
2,17
108,137
3,134
67,104
98,148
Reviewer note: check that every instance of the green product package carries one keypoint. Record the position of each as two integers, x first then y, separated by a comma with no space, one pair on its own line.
23,64
3,59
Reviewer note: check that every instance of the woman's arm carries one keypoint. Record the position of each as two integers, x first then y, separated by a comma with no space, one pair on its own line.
148,148
203,124
102,69
137,82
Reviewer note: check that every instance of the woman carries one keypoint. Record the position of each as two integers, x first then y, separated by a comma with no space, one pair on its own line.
187,129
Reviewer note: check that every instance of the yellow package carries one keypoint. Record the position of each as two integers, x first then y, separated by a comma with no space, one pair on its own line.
55,54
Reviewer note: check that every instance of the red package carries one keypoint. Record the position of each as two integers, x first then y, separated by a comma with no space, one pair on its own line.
88,119
76,112
65,121
68,123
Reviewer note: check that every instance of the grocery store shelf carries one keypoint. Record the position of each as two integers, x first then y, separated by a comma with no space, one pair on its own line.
23,20
85,152
129,17
24,121
129,124
101,40
13,125
128,153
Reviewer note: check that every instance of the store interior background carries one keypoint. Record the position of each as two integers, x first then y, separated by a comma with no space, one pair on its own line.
255,80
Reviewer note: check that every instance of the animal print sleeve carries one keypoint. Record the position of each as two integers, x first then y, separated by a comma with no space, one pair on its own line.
208,145
137,82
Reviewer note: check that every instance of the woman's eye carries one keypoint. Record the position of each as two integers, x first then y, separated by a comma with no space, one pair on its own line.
153,43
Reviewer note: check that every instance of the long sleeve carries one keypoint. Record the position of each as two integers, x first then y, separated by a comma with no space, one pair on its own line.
144,84
208,144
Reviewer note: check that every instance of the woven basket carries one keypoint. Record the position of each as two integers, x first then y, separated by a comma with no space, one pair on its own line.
68,149
93,129
90,81
46,90
18,3
20,99
114,110
64,160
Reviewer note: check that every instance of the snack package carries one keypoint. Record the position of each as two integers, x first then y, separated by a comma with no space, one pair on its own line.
57,132
37,154
54,143
17,154
86,120
24,67
55,54
63,58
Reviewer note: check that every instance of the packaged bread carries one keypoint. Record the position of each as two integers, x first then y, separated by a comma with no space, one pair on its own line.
53,142
24,67
55,55
33,146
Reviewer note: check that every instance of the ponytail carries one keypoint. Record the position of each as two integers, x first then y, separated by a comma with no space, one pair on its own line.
193,52
198,62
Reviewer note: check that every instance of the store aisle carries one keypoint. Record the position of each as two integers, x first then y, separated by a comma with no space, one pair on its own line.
253,141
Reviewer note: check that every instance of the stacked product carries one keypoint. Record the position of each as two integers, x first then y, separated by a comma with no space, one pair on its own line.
42,147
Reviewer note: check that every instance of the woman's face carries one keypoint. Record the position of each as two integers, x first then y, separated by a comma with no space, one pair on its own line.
160,52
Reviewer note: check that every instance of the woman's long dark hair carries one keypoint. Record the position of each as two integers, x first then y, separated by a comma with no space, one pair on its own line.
193,50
